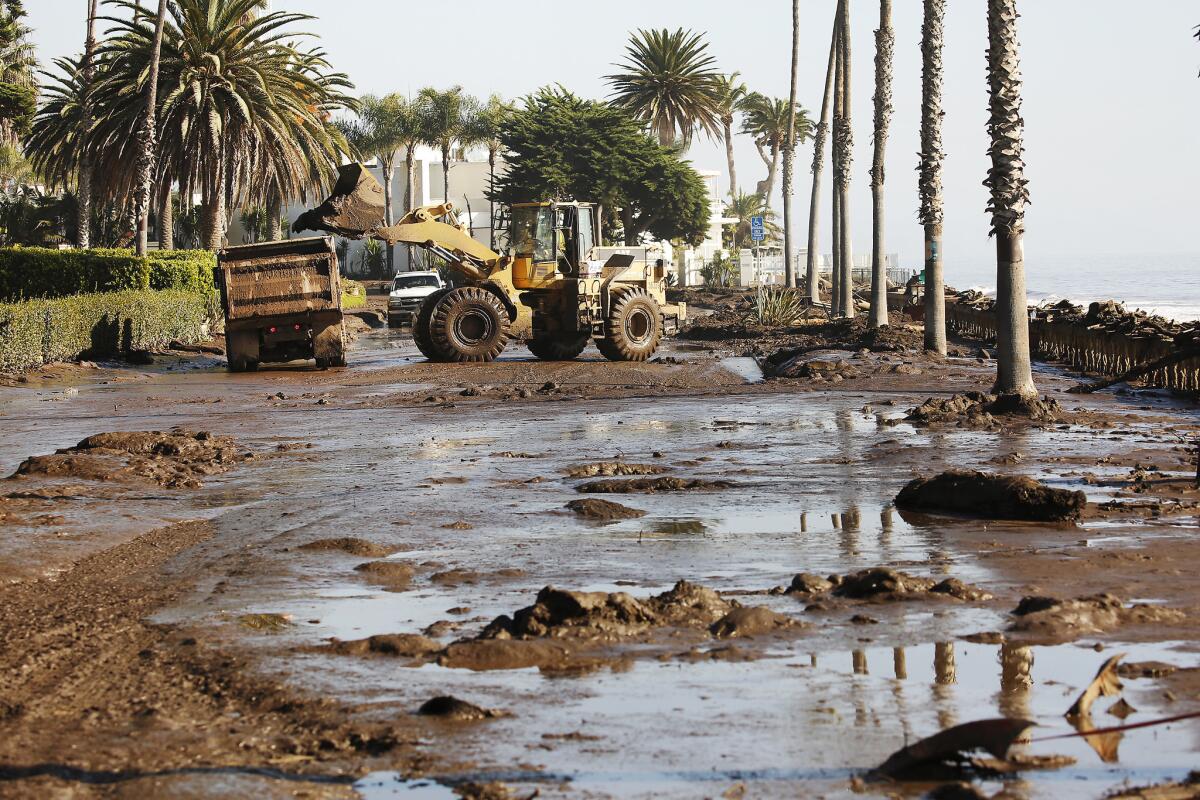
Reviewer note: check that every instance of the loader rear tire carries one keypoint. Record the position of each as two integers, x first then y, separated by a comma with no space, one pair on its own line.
420,326
469,324
634,326
558,348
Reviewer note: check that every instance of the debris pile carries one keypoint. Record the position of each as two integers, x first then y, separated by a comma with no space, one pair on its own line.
991,496
981,410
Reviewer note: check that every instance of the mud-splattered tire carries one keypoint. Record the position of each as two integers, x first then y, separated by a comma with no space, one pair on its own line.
469,324
329,346
420,326
558,348
241,351
634,326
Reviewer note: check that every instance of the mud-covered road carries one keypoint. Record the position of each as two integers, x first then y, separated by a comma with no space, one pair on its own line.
267,614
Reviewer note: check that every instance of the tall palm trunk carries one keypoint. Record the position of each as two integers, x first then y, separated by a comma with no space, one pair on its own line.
845,136
166,218
83,226
387,165
727,121
446,172
930,183
149,137
835,276
767,187
885,39
839,97
214,204
1010,193
274,211
818,165
492,151
789,156
410,174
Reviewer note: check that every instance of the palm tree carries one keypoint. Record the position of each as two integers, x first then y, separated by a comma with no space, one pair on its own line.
930,171
1010,194
446,114
766,120
733,92
670,81
484,128
83,226
789,153
818,164
377,134
743,207
885,41
148,134
843,160
17,65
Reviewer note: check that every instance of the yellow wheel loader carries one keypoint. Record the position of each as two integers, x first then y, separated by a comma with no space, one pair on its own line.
550,269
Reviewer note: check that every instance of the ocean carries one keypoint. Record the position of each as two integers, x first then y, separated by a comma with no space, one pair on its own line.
1168,285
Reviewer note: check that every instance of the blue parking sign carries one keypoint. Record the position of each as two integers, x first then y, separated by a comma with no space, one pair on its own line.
758,230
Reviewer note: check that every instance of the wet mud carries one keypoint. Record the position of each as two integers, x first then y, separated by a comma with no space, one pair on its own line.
992,496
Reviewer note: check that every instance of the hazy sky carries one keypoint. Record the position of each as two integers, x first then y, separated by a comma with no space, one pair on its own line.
1112,97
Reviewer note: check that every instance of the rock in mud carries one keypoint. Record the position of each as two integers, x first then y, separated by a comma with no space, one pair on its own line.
651,485
610,469
404,645
807,583
270,623
175,459
977,409
395,576
455,710
963,591
749,621
454,577
482,655
350,545
603,510
880,582
992,496
1063,620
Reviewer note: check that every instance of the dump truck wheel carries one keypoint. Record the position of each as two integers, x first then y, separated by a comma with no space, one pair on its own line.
634,326
329,346
469,324
241,351
558,347
420,326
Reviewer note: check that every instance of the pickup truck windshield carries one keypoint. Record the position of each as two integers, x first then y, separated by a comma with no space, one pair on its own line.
414,281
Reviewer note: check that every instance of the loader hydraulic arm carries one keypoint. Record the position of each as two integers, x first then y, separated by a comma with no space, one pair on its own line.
355,210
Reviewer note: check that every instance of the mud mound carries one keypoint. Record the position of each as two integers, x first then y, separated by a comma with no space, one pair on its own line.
394,576
977,409
807,583
651,485
990,496
1063,620
482,655
176,459
882,584
455,710
750,621
603,510
609,469
405,645
350,545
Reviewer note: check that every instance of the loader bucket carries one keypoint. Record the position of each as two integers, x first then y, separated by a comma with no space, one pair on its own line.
354,210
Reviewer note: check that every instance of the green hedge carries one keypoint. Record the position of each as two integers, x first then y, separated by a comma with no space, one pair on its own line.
29,272
35,332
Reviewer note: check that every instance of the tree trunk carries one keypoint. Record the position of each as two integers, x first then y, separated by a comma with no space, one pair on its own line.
214,206
835,157
166,218
835,275
818,164
729,155
885,39
274,211
631,237
789,156
388,167
149,137
410,174
83,226
491,202
846,161
446,173
930,182
1009,195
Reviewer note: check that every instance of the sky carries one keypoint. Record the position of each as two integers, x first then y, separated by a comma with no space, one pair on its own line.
1111,99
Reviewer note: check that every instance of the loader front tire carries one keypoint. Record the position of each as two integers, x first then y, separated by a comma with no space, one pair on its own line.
420,326
633,328
560,347
469,324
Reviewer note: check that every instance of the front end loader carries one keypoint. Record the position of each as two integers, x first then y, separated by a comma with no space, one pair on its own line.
549,268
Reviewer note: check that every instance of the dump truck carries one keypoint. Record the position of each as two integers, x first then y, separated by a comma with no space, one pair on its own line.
282,302
551,268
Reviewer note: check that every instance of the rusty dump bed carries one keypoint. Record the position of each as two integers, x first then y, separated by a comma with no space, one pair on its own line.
279,278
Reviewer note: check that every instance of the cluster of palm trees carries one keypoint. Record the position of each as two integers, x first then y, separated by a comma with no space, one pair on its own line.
214,97
670,81
449,120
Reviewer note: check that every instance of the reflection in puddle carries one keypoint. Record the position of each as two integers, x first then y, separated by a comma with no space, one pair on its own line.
679,526
381,785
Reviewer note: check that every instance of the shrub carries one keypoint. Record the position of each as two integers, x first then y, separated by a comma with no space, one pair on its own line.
720,272
40,331
775,306
29,272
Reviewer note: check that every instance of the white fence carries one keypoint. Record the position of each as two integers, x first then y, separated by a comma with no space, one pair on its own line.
766,268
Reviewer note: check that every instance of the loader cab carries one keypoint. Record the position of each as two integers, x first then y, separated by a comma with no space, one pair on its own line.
550,241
